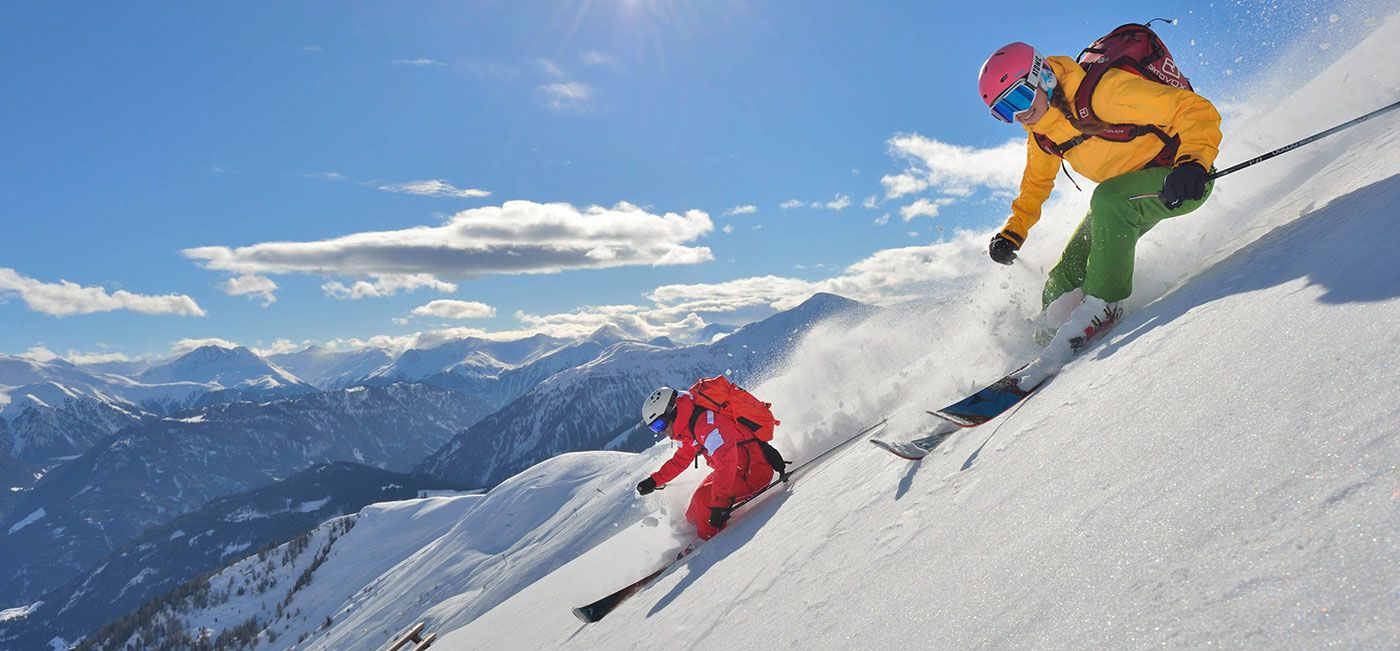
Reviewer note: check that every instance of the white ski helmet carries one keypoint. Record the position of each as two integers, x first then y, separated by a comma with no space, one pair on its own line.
658,404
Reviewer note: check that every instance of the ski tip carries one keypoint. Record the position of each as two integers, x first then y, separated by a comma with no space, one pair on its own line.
956,420
583,616
901,451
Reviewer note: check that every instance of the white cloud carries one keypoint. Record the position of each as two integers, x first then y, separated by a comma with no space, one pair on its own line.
386,285
637,321
596,58
841,202
450,309
435,188
396,344
39,354
513,238
923,208
899,185
251,285
883,219
938,164
552,69
791,203
190,343
569,96
324,176
773,292
65,298
746,209
727,229
418,63
871,202
401,320
83,359
280,346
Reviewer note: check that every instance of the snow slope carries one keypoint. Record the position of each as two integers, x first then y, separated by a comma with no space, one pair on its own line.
521,531
1221,472
384,534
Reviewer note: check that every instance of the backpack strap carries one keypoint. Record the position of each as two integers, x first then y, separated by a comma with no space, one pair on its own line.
694,417
772,456
1125,132
1093,74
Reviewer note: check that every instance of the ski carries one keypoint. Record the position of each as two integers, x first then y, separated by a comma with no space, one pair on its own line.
987,403
919,448
600,608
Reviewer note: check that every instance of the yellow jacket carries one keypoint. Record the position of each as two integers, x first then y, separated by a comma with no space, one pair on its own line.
1121,98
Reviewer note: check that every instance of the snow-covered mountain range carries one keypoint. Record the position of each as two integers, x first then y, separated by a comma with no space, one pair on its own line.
595,405
147,475
331,369
224,530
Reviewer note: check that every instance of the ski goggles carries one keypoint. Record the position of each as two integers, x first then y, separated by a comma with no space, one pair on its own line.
1021,95
1017,99
659,425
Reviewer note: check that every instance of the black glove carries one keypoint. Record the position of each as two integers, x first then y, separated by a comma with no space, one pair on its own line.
646,486
718,516
1002,249
1186,183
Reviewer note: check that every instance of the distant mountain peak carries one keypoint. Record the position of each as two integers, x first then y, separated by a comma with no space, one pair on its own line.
608,333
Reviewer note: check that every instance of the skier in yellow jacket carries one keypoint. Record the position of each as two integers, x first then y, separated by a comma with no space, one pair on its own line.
1135,137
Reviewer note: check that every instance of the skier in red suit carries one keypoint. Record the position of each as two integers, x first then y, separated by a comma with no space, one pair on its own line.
738,466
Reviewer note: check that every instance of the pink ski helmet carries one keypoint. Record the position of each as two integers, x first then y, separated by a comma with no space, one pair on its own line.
1000,82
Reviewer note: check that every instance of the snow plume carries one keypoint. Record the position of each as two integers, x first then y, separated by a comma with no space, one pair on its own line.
1254,201
65,298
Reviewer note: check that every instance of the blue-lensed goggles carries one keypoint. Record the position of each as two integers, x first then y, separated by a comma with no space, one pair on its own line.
1017,99
659,425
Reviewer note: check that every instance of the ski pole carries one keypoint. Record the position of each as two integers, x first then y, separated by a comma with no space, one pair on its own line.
1286,148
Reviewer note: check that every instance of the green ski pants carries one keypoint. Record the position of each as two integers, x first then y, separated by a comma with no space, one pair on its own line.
1099,256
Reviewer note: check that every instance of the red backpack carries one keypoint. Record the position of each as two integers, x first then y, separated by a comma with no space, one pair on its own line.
720,395
1136,49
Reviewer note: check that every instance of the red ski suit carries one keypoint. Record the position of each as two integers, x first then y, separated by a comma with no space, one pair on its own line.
739,467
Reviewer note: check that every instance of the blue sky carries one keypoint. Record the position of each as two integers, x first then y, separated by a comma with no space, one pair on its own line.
146,143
